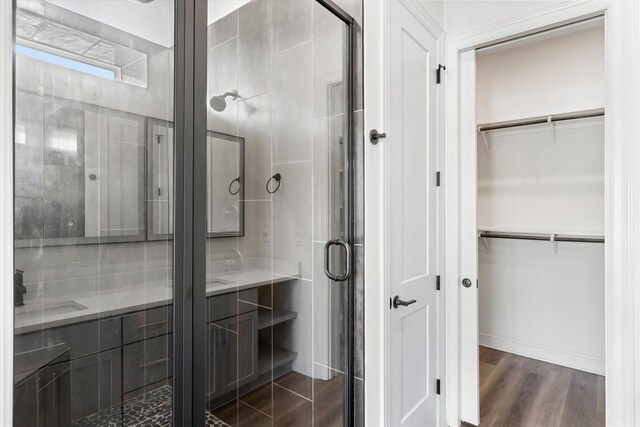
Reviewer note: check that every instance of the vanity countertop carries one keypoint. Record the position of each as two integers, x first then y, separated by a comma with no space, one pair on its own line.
53,312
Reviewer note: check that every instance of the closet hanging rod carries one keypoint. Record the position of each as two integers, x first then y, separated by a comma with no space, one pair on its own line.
542,120
540,237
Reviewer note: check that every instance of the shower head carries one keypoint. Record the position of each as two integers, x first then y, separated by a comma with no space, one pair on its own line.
219,103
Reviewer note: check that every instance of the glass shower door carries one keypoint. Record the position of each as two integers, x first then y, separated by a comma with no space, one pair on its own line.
278,287
93,178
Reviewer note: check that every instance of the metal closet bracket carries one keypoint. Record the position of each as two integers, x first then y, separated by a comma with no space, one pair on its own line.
484,139
554,242
552,127
485,241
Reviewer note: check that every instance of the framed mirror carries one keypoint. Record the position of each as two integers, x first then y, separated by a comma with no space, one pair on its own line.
81,173
225,182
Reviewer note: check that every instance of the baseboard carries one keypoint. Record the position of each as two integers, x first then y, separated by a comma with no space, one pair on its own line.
546,354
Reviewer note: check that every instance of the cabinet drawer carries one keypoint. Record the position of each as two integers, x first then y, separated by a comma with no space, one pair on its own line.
147,362
226,305
147,324
82,338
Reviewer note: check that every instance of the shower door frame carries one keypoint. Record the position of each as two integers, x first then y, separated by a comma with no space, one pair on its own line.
189,250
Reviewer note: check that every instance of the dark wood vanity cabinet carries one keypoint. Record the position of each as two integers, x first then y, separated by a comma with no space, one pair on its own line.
147,362
116,358
42,390
232,358
96,383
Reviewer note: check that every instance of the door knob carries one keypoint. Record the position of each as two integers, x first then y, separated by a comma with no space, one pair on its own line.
397,302
466,283
375,136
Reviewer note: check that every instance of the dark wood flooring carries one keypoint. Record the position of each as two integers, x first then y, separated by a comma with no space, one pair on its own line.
518,391
291,400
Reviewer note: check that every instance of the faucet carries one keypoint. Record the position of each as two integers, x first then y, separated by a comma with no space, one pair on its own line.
18,288
235,261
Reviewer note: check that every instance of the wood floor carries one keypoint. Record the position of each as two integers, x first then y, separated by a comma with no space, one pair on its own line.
291,400
518,391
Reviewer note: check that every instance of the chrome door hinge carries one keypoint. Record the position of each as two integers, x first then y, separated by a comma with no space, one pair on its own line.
439,73
438,179
438,282
437,386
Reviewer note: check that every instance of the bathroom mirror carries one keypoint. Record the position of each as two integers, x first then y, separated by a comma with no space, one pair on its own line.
80,170
225,178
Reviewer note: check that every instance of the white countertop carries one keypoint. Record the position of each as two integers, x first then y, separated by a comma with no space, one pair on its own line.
53,312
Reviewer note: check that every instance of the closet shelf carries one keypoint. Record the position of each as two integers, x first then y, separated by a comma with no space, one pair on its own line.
550,237
542,120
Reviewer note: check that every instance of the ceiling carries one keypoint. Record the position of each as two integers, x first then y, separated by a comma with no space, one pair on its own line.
151,21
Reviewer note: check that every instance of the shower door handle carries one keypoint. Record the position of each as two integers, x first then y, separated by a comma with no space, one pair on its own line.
327,262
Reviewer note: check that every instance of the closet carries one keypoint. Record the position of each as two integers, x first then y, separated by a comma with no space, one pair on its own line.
540,200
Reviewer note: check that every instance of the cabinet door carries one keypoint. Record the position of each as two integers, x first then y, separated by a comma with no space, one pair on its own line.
56,396
25,403
147,362
214,366
239,338
96,383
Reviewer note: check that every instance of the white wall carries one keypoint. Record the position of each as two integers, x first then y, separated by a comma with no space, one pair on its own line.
532,300
541,78
541,304
465,15
528,181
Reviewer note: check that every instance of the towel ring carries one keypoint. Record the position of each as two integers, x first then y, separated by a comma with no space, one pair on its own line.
277,177
231,185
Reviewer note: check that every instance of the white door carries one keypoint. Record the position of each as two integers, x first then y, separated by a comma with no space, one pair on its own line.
412,198
468,280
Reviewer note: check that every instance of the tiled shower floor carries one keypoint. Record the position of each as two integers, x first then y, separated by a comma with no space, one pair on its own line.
152,409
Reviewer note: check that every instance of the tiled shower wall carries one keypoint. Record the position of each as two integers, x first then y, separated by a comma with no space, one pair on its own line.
257,50
271,51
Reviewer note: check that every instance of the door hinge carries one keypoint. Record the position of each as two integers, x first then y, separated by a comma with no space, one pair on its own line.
438,179
437,386
477,283
390,304
439,73
438,282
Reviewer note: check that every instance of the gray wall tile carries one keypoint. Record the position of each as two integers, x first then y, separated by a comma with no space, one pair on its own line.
254,125
223,30
292,105
254,49
291,23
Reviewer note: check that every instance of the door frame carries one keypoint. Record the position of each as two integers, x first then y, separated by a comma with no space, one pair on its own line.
377,170
622,246
6,211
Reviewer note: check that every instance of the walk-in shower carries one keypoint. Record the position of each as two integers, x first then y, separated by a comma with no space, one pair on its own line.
179,169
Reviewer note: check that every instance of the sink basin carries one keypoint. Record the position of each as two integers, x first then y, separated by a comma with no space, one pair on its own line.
34,309
217,281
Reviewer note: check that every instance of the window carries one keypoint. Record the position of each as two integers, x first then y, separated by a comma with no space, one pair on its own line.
64,62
